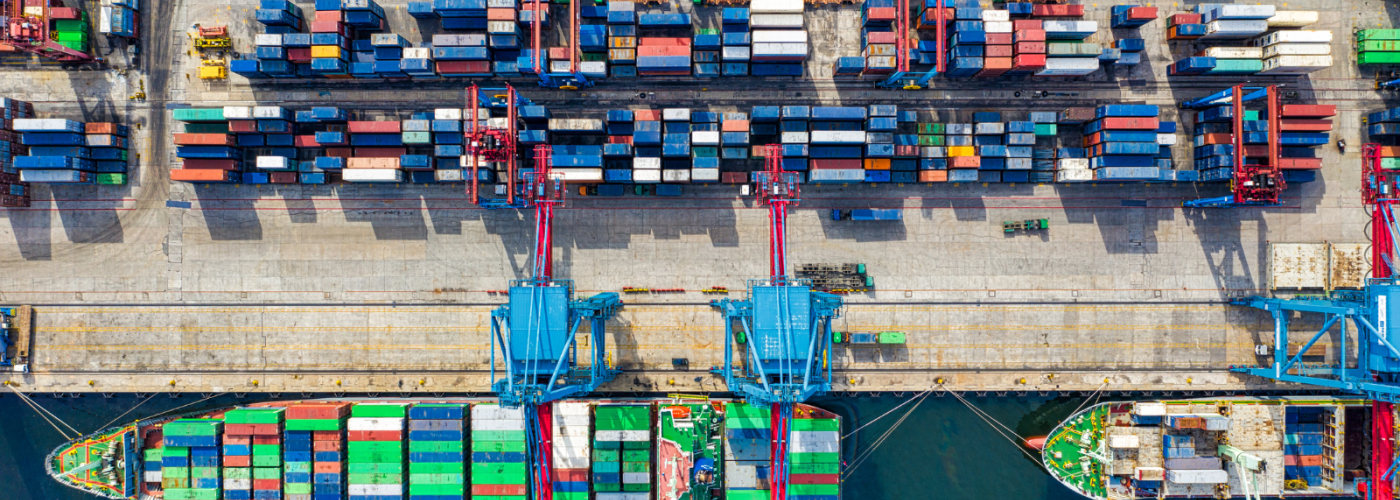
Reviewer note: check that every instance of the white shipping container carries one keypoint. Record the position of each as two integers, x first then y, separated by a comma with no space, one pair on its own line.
501,4
593,68
267,39
1237,11
646,177
1073,164
1069,66
704,175
740,476
779,50
275,162
1123,441
646,164
371,175
154,476
776,6
1217,423
704,138
1062,26
1214,476
932,152
1297,36
675,114
636,477
501,425
447,114
376,489
496,412
1149,473
570,462
1166,139
793,138
570,410
779,36
1235,29
838,137
992,16
238,113
733,53
677,176
571,420
620,6
104,20
815,436
1074,175
1146,408
1292,18
1297,49
267,112
41,124
580,175
235,484
997,26
559,66
1295,65
448,175
1235,52
503,27
815,447
776,21
374,424
614,495
418,53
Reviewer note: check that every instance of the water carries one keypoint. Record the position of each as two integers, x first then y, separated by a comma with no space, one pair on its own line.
941,451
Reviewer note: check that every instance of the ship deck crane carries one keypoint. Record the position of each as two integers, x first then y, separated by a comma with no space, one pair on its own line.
1251,185
28,32
1373,311
572,79
785,326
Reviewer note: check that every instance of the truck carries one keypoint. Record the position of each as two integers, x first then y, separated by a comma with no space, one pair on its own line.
885,214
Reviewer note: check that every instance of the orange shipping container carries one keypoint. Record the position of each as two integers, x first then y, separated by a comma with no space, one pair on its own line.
1390,151
235,460
734,126
329,16
1305,125
198,175
646,115
877,164
933,176
559,53
326,467
372,162
263,438
100,128
1310,460
205,140
664,42
325,446
326,436
1300,163
237,439
1211,139
500,14
965,162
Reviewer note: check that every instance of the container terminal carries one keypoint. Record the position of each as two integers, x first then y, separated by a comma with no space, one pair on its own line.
432,201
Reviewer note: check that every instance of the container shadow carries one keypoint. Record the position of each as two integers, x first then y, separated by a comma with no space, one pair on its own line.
390,218
300,207
229,219
33,232
863,231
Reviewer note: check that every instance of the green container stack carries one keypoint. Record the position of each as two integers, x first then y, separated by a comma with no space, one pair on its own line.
75,34
1378,46
376,449
931,134
436,468
621,449
496,430
748,436
190,459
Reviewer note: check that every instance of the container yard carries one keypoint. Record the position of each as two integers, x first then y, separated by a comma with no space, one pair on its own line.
634,250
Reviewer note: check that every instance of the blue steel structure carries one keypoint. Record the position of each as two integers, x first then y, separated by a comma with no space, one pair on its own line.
1252,185
6,315
786,327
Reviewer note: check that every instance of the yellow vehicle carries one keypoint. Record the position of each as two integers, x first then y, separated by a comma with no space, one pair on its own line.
209,72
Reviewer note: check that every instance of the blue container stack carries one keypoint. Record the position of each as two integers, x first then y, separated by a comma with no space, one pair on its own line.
966,40
282,14
737,39
13,192
1178,446
436,458
1129,51
58,152
1303,443
706,48
1122,143
622,38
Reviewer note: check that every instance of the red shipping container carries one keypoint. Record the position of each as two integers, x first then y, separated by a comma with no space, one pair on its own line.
283,178
734,126
1255,150
997,51
965,162
204,140
234,460
249,429
733,177
100,128
933,176
833,163
306,141
500,14
326,435
1305,125
1184,19
1308,110
299,54
63,13
374,435
264,438
1140,13
906,151
1025,62
325,27
994,66
879,13
663,50
999,38
1030,47
325,446
385,127
318,411
242,126
814,478
570,475
1129,123
534,6
1027,24
380,152
646,115
1290,460
1310,460
339,153
1029,35
237,439
663,42
326,467
559,53
880,37
498,489
619,139
267,484
214,164
1212,139
324,16
1060,10
1300,163
453,67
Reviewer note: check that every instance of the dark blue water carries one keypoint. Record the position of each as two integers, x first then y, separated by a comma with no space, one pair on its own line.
942,451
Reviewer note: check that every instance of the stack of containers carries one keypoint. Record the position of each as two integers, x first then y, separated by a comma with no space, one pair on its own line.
151,468
622,446
281,14
963,161
498,436
675,145
324,423
1068,53
1122,142
734,139
460,55
504,36
748,436
1178,446
244,430
933,156
618,151
583,164
663,56
997,53
622,38
779,42
1303,440
966,41
1130,17
647,139
115,18
1185,26
1233,60
1129,51
736,38
297,455
878,41
207,151
57,151
375,445
707,43
1378,46
705,139
377,152
70,28
1304,127
988,143
13,193
460,14
436,465
1224,21
815,451
1028,46
447,144
269,130
838,132
1297,52
108,143
330,52
571,451
190,459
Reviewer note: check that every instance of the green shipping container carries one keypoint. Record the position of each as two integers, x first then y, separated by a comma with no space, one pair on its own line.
202,115
814,458
1378,34
516,446
193,428
814,489
814,424
267,461
748,423
931,140
175,451
607,487
498,436
747,494
600,455
69,25
498,473
375,479
635,456
373,446
497,497
311,425
267,473
1236,66
447,468
815,469
192,494
296,488
574,495
167,472
607,445
267,449
1378,58
78,46
621,418
71,36
204,472
252,415
932,128
174,482
743,410
1046,129
154,454
635,487
890,337
636,445
376,457
375,468
1378,46
238,473
704,152
635,467
441,489
436,479
379,410
1390,163
438,446
417,137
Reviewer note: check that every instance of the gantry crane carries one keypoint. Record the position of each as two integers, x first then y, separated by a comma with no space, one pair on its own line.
494,145
572,79
30,33
785,326
1377,371
1251,185
902,78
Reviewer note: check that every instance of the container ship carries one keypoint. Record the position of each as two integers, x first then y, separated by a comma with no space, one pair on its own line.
440,449
1305,446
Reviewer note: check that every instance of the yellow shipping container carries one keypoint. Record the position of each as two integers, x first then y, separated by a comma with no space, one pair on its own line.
622,42
327,51
962,151
213,72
